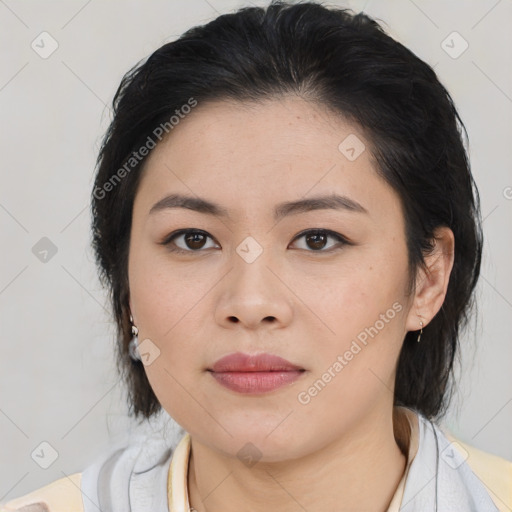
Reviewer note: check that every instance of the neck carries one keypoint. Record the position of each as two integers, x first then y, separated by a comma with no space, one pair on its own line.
337,477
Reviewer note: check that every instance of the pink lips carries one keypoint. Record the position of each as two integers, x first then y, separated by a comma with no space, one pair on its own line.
254,374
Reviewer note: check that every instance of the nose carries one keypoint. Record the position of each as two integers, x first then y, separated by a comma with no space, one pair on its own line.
254,295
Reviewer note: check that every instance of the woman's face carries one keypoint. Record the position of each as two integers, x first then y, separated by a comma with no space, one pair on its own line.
255,281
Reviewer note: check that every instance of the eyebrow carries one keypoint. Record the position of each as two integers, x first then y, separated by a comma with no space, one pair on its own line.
324,202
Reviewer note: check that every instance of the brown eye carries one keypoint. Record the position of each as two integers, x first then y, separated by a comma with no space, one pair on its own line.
195,240
190,240
316,240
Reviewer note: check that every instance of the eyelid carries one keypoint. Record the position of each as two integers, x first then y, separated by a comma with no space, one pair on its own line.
329,233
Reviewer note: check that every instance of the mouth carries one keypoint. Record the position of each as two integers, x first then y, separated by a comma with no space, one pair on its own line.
254,374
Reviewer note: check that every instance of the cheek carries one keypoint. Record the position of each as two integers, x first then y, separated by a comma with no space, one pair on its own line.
176,388
168,305
161,294
360,312
342,300
171,304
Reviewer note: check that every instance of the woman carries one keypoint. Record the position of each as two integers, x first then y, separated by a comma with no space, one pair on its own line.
285,216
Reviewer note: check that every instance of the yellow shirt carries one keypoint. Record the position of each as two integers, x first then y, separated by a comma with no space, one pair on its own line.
64,494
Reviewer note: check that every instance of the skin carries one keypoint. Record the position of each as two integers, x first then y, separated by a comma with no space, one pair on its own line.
293,301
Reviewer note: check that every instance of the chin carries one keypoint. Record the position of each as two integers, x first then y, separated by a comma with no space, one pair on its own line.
257,442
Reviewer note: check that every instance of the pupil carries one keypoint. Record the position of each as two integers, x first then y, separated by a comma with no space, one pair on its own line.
193,242
316,243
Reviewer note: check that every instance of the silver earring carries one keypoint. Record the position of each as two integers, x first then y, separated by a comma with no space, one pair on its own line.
419,335
134,343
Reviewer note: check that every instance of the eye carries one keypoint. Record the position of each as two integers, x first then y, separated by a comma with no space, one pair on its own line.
194,240
317,240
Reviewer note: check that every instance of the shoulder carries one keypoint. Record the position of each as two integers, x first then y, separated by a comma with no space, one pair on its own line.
493,471
136,466
62,495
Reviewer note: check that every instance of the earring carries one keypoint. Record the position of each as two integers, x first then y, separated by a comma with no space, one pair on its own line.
419,335
134,342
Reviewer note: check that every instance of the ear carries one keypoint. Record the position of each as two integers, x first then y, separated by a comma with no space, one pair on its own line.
431,285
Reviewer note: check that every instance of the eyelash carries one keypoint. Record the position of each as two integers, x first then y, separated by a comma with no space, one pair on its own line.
169,239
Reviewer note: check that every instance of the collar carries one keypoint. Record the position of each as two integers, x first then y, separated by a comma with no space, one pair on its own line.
177,487
406,429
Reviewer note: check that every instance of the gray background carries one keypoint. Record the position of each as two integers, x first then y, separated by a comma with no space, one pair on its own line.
57,375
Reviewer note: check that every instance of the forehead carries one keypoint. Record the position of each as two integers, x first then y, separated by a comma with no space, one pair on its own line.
246,155
269,132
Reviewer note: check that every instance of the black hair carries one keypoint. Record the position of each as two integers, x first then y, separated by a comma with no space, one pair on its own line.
339,60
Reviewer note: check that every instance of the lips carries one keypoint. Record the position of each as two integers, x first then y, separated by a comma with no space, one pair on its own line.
254,374
240,362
